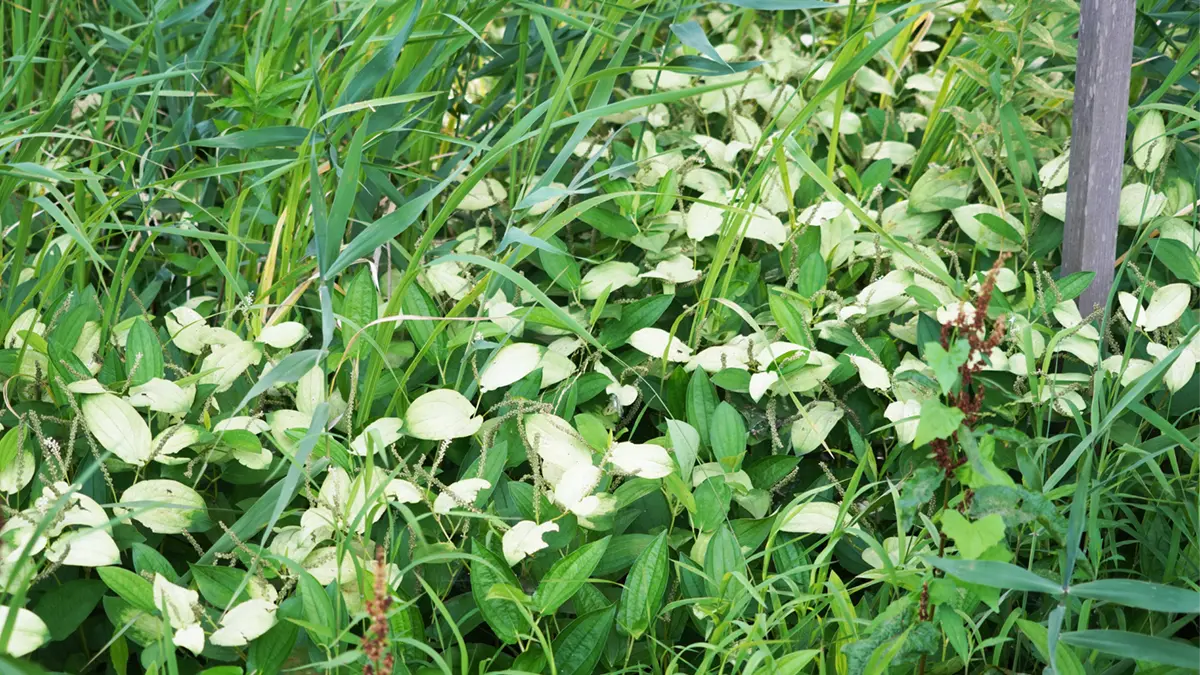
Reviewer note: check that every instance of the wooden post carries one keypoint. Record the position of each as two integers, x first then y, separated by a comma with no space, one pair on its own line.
1098,143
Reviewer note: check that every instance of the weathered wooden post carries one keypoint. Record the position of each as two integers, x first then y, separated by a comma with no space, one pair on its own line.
1098,143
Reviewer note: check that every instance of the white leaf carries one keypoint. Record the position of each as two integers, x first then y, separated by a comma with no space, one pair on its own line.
283,335
17,473
283,420
745,130
558,445
1139,205
1134,368
446,278
873,375
485,193
760,383
816,421
242,423
388,430
190,638
677,270
612,276
227,362
440,415
715,359
812,518
1149,142
525,539
651,77
173,439
29,631
117,427
1053,174
461,492
176,602
1180,371
901,154
27,322
87,347
766,227
88,386
967,219
513,362
657,342
402,491
850,124
555,368
1167,305
84,548
574,491
625,394
244,623
872,82
705,180
644,460
1084,349
704,220
904,414
164,506
162,396
188,330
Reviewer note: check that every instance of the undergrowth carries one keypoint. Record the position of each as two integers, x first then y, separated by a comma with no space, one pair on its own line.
454,336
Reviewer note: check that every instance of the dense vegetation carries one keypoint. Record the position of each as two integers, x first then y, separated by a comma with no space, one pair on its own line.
457,336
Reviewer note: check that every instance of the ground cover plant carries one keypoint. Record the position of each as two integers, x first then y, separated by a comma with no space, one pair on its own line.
437,336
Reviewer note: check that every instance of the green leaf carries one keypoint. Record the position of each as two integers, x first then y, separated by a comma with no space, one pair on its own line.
712,498
723,557
974,538
916,491
1140,594
262,137
644,588
1136,647
1179,259
929,331
634,317
9,444
813,275
568,575
610,224
937,420
217,585
269,651
1065,660
318,608
504,618
727,435
578,648
560,267
995,574
701,403
65,607
129,586
143,349
418,303
1069,288
685,442
999,226
360,307
788,315
691,34
945,364
148,561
